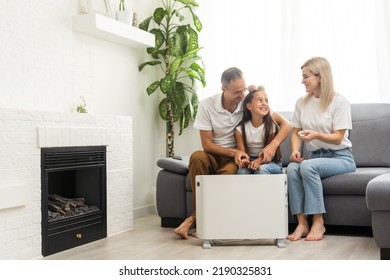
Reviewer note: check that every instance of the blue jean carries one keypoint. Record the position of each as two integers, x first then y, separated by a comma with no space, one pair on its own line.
266,168
304,179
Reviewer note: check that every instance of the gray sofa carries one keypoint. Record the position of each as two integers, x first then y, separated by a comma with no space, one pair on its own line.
345,195
378,201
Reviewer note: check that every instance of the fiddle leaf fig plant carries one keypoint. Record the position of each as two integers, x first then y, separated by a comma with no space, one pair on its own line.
176,27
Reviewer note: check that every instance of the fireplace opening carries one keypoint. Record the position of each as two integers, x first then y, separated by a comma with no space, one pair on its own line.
73,197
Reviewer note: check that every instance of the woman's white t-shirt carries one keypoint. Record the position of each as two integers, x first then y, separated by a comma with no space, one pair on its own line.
309,116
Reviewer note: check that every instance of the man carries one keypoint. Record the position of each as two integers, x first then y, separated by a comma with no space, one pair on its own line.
217,118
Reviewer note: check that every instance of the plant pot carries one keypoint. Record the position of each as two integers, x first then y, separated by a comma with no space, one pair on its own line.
125,16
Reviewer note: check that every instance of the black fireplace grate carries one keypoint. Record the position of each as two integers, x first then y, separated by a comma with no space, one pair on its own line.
61,160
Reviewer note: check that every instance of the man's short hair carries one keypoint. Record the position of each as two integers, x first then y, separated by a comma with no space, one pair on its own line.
229,75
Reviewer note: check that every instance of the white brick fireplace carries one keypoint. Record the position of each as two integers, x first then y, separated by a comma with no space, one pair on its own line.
22,135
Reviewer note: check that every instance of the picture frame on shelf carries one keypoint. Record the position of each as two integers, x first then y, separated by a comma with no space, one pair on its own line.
102,7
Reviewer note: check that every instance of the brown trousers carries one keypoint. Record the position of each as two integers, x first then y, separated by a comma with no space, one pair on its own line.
202,163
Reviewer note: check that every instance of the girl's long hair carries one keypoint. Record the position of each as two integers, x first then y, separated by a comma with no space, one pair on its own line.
269,123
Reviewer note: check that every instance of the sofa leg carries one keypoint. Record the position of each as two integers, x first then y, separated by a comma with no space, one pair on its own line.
171,222
385,254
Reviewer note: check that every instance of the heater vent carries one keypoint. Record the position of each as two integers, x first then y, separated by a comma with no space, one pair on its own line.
55,160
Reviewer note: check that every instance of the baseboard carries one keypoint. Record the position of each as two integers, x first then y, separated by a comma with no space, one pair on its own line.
144,211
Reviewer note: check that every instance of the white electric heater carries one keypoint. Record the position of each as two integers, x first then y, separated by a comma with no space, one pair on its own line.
241,207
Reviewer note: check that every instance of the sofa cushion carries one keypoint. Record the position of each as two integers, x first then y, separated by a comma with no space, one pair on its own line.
370,130
353,183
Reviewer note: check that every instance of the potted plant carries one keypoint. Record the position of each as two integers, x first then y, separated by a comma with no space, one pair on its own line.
176,54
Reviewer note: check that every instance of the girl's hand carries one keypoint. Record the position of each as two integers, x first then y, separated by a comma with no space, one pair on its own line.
255,164
296,157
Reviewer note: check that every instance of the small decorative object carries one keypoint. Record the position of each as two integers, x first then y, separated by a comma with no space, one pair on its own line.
135,20
124,15
102,7
82,108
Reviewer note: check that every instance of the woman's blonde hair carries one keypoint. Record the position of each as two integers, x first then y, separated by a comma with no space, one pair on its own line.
320,67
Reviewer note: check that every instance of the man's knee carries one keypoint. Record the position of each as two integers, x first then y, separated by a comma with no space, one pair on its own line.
198,156
229,168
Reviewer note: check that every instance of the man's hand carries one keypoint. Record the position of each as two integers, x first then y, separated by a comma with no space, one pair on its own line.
268,152
241,158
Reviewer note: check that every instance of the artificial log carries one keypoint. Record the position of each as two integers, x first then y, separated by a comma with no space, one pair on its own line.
55,208
72,202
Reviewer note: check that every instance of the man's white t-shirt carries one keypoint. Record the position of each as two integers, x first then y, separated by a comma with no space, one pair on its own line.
213,117
309,116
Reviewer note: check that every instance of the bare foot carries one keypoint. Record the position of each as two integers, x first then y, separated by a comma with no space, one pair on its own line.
316,232
299,232
185,226
195,234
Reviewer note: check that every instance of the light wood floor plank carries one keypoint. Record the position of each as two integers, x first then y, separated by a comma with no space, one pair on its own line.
148,241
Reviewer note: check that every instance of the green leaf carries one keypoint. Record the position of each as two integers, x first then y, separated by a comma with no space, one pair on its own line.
187,116
175,44
145,24
179,95
200,71
182,123
159,38
193,41
166,84
159,15
188,2
152,87
191,73
182,30
162,109
195,104
197,23
174,65
151,63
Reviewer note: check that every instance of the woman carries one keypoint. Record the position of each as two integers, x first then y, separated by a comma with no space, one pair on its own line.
256,132
321,120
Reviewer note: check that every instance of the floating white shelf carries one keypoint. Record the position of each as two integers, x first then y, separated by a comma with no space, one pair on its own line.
112,30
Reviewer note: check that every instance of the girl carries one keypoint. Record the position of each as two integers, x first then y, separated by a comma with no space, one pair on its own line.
259,135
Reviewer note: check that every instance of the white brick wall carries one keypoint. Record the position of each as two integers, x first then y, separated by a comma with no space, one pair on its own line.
23,133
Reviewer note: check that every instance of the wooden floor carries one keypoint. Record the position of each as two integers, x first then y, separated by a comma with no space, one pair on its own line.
148,241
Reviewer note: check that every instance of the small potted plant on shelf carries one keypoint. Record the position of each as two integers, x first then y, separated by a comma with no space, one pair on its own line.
82,108
124,15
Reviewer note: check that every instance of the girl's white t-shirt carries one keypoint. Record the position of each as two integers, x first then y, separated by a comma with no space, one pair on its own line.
309,116
254,138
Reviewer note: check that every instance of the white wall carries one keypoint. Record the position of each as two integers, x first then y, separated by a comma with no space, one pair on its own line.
47,66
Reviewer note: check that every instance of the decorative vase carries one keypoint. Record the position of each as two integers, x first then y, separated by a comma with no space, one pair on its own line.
125,16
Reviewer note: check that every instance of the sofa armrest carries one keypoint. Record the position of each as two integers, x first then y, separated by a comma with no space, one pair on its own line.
378,193
174,165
